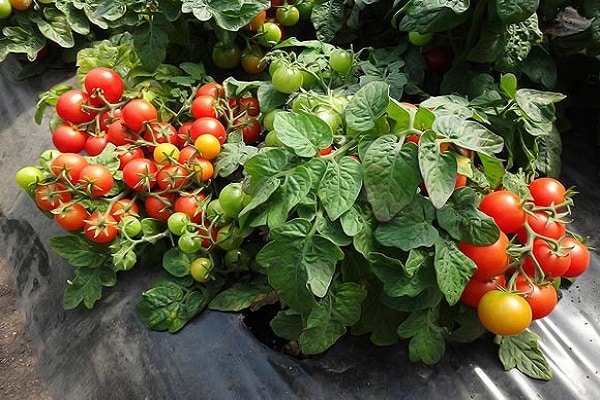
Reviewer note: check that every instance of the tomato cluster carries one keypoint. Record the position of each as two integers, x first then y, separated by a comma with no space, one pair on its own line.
140,167
516,277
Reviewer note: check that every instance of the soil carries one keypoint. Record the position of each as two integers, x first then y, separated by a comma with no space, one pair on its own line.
19,375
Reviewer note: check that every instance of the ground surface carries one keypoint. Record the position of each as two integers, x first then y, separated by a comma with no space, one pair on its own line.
19,378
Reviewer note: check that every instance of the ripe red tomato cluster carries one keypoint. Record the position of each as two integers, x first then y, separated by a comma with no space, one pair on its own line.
160,167
514,279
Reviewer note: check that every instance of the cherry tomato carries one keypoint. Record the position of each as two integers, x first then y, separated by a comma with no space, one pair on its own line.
96,179
490,260
231,199
94,145
554,263
21,5
204,106
48,197
438,59
172,177
269,34
189,242
208,125
419,39
541,224
287,79
130,226
580,257
340,60
28,177
118,134
229,237
541,298
138,112
257,21
287,15
68,166
214,89
252,61
71,217
140,174
165,153
504,313
69,139
161,132
100,227
505,208
202,169
475,289
188,154
201,269
5,9
226,56
178,223
190,204
71,107
461,181
249,106
124,207
547,192
105,82
250,126
127,154
208,146
159,206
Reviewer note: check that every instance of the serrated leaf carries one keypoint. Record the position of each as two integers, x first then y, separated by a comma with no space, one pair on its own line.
340,186
86,286
453,269
79,251
512,11
437,168
327,18
396,282
522,351
150,41
427,342
303,133
366,106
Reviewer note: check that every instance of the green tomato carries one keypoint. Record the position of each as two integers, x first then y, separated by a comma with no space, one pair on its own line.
201,269
287,79
269,34
229,237
5,9
271,140
340,60
28,177
332,118
269,118
47,156
189,242
226,56
178,223
305,7
232,199
237,259
216,214
287,15
276,64
419,39
130,226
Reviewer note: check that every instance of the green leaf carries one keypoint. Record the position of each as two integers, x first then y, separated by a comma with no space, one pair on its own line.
429,297
508,83
303,133
55,27
327,322
287,324
537,104
76,18
262,193
468,134
28,40
411,228
263,165
150,41
327,18
522,351
161,308
79,251
493,168
453,269
437,168
233,15
367,106
240,296
539,66
340,186
231,157
391,176
464,222
433,16
87,285
427,343
352,222
549,159
512,11
396,282
177,263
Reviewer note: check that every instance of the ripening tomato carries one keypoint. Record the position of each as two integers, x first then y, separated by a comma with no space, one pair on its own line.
541,298
72,106
100,227
226,56
504,313
124,207
202,170
138,112
21,5
547,192
553,262
48,197
252,61
580,257
103,82
201,269
505,208
96,179
475,289
257,21
71,216
165,153
490,260
208,146
69,139
250,126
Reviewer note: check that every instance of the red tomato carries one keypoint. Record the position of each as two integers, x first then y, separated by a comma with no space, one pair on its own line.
172,177
100,227
124,207
183,134
138,112
118,134
96,179
547,192
554,263
204,105
159,207
211,88
68,139
505,208
540,223
250,126
249,106
71,106
208,125
188,154
104,82
541,298
190,204
461,181
140,174
491,260
580,257
71,217
48,197
94,145
127,154
161,132
475,289
107,117
68,166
